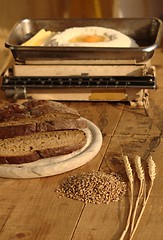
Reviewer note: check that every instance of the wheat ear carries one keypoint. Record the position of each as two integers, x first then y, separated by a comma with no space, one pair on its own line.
152,175
131,182
141,177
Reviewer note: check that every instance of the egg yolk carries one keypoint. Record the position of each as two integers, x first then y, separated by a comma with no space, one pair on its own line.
88,39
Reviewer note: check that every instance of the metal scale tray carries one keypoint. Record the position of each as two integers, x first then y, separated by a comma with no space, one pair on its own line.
145,31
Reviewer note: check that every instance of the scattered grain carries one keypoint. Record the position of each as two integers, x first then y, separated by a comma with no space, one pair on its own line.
94,187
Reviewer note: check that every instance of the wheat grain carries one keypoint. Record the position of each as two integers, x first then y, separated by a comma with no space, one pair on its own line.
94,187
129,173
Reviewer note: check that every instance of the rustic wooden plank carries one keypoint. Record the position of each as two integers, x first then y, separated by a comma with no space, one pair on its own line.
104,114
38,214
151,223
157,62
108,221
36,211
136,134
101,221
156,97
31,209
135,121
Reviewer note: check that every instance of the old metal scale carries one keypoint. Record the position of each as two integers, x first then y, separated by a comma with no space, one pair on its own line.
83,73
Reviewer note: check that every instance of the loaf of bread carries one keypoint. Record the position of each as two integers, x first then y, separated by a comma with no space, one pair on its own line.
37,116
39,129
24,149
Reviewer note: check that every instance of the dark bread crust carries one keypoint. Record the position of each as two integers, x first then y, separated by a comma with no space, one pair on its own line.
37,116
35,108
39,129
41,107
19,159
18,130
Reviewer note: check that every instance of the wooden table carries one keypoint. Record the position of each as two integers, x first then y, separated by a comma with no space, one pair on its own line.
32,210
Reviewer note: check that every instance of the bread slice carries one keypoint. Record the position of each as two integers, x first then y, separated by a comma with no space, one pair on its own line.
30,148
37,116
30,126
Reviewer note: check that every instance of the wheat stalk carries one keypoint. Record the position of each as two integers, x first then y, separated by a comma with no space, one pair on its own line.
151,169
131,181
152,175
141,177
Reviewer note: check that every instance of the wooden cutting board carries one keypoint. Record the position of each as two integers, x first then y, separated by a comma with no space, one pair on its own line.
58,164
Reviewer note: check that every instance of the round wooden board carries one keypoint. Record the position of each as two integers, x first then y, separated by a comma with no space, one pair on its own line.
59,164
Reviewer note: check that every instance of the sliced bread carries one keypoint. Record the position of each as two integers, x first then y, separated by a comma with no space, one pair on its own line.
25,149
36,108
37,116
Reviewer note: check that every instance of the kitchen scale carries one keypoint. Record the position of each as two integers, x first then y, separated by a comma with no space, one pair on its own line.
83,73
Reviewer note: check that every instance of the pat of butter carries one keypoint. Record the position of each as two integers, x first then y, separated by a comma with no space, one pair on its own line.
39,38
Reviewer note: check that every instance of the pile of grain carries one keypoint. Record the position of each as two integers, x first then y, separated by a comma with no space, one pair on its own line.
94,187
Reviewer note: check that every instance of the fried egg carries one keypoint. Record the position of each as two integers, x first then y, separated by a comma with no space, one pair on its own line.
92,37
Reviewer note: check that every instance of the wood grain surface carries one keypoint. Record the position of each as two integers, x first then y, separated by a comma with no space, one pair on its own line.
31,209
